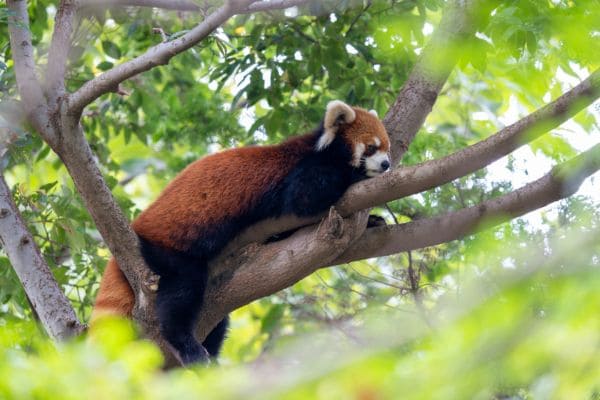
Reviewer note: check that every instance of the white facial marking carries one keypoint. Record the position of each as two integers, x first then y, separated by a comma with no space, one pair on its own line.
358,152
325,140
373,163
377,141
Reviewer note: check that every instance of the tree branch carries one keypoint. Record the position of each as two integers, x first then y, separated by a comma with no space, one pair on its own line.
403,120
59,50
405,181
22,51
75,152
413,99
563,181
46,297
268,5
157,55
261,270
177,5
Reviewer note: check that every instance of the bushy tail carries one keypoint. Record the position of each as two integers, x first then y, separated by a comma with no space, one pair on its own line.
115,296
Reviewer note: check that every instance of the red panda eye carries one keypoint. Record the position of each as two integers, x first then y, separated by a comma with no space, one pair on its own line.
371,149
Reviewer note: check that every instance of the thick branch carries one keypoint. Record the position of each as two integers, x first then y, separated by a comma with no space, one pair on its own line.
405,181
258,270
177,5
59,50
157,55
263,270
22,51
414,103
114,227
47,299
77,156
561,182
418,94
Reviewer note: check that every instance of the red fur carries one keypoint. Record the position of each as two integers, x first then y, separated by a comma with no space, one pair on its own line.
207,191
214,188
115,296
365,127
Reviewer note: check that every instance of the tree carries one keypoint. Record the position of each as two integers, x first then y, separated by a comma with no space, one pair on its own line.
313,63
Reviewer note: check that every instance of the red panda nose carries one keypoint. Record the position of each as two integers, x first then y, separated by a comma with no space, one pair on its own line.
385,165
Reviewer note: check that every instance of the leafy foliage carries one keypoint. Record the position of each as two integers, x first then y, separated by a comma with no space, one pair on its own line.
529,331
265,77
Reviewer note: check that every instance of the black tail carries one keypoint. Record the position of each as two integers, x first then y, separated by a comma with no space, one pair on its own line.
215,338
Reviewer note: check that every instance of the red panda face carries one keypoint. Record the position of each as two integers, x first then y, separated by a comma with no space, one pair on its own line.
362,131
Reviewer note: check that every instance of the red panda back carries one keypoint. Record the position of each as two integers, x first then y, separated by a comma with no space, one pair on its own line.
214,188
217,187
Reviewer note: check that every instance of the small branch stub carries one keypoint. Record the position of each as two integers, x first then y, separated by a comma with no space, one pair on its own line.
24,241
333,224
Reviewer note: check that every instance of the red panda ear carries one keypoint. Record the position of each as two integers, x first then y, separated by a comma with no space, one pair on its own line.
337,114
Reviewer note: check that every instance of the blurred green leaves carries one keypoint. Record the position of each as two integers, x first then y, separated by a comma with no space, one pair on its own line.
525,331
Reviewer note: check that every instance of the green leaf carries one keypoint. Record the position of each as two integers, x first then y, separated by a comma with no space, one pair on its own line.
105,65
43,153
554,147
48,186
111,49
273,316
532,43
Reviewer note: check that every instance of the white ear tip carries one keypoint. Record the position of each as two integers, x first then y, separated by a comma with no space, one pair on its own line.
373,112
336,103
335,108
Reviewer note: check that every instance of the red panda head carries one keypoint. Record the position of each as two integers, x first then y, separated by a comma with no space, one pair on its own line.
362,131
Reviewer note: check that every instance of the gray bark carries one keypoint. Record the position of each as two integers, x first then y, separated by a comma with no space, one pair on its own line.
47,298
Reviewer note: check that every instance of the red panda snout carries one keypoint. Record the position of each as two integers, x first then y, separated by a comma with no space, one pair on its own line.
377,164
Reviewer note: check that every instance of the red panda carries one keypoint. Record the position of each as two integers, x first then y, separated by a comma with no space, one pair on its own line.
218,196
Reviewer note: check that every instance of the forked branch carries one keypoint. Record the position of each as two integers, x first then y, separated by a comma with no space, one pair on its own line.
405,181
413,179
563,181
157,55
257,270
